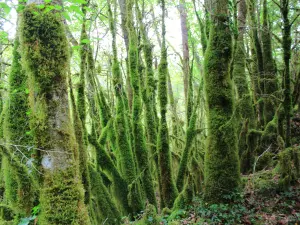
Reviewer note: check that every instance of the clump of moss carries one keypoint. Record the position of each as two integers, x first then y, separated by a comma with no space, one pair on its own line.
289,167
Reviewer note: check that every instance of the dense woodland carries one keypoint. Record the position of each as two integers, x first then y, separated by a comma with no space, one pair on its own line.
149,112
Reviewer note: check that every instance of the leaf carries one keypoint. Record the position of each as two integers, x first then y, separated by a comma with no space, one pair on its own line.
41,6
48,1
77,1
5,7
76,9
58,7
85,41
66,16
76,47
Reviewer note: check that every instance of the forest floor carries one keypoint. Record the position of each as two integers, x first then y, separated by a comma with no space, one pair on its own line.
261,203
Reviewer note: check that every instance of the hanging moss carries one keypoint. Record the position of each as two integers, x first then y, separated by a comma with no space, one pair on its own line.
169,191
222,173
46,60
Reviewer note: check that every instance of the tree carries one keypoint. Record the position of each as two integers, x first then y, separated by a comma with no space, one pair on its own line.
45,57
222,175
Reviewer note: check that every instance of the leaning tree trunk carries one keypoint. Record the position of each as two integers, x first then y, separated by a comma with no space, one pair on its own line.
222,173
46,60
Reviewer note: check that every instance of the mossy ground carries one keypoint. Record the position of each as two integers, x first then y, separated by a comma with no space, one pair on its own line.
261,202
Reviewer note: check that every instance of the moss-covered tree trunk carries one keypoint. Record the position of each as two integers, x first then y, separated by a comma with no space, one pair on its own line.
270,81
139,142
45,56
245,109
222,173
123,135
168,189
256,71
286,46
17,132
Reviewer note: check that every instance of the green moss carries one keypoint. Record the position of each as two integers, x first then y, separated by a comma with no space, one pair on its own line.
190,134
120,185
81,154
169,191
270,80
62,199
17,131
139,142
149,216
256,68
289,164
184,198
45,57
222,172
103,200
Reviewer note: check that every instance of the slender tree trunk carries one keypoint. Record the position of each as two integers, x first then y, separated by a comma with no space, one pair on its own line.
270,81
169,190
286,45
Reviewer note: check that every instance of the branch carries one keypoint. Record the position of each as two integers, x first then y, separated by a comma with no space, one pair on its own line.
291,24
276,4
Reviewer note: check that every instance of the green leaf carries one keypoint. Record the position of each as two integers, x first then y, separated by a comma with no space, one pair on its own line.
85,41
41,6
27,91
77,1
58,7
76,9
76,47
48,1
66,16
5,7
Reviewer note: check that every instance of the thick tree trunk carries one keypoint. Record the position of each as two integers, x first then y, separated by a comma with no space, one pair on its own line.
46,59
222,174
